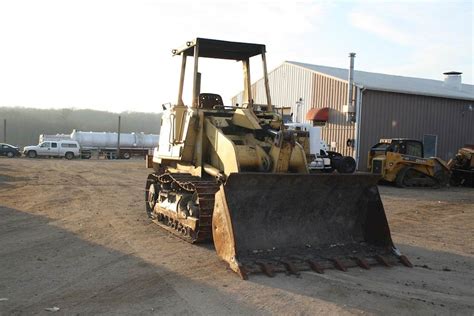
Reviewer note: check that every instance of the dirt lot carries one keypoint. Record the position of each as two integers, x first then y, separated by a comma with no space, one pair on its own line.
74,234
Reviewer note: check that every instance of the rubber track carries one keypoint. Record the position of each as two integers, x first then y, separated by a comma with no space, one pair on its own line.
418,182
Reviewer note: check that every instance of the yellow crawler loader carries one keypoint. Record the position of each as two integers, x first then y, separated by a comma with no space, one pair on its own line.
235,175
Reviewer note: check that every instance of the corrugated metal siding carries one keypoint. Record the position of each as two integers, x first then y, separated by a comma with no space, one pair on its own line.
332,93
392,115
287,85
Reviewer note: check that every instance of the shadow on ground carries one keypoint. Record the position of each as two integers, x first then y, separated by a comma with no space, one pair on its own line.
44,266
439,283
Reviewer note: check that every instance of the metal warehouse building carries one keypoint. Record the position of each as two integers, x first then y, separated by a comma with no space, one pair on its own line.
441,113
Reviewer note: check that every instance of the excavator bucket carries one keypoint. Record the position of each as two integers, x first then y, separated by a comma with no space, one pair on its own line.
269,223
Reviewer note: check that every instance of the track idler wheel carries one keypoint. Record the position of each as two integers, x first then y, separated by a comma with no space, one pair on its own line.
151,194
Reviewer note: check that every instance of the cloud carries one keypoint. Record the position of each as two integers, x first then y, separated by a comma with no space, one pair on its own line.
116,55
432,60
378,26
427,43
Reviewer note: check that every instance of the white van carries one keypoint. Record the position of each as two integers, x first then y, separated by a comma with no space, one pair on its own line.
61,148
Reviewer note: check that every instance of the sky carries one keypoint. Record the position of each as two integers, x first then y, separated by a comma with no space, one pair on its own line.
115,55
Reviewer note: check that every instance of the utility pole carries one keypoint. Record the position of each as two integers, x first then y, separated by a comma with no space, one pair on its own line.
4,130
118,139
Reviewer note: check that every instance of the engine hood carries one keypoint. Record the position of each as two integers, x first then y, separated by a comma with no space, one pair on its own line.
29,147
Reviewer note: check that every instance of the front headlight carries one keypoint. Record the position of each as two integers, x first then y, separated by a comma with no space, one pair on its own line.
317,163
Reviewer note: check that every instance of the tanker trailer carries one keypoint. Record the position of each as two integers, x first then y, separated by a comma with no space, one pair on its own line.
105,143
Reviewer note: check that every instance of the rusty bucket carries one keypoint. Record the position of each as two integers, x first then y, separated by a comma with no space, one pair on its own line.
268,223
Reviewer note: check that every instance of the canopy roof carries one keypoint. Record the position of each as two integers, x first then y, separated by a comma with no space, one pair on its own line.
318,114
221,49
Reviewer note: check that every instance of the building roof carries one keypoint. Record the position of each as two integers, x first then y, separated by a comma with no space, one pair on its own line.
392,83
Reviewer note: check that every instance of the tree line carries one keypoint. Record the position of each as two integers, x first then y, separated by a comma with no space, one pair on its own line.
24,125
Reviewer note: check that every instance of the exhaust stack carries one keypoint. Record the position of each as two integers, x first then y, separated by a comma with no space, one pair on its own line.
349,109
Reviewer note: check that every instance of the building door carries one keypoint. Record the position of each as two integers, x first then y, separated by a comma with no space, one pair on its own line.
430,144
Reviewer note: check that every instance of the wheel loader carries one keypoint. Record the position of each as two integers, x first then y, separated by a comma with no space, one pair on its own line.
401,161
236,176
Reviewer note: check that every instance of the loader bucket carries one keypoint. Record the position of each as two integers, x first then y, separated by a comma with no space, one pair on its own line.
267,223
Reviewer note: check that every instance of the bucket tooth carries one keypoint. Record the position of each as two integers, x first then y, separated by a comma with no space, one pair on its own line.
382,260
315,266
290,267
404,260
266,269
361,262
339,265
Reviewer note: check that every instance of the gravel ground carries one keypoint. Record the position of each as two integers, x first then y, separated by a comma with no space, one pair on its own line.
74,235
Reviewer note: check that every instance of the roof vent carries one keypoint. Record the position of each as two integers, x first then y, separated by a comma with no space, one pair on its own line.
452,79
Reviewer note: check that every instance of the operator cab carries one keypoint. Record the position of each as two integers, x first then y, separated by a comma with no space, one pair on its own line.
410,147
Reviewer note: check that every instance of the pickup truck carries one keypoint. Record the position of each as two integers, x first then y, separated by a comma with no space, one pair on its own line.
62,148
